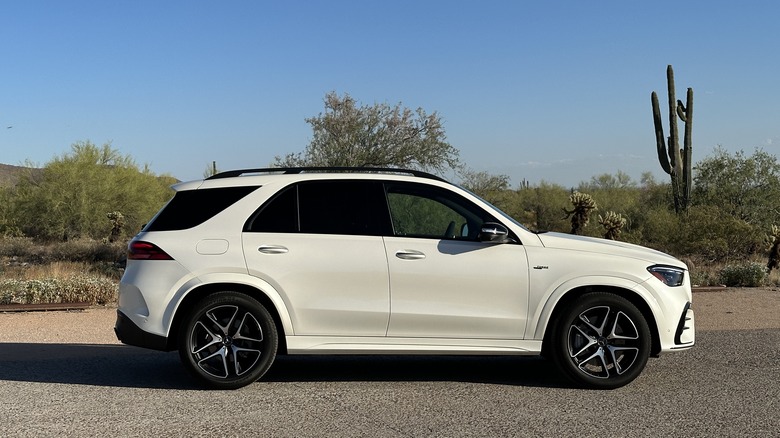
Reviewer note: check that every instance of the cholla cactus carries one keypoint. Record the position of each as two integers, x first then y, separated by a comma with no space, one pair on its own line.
580,214
774,250
117,222
613,224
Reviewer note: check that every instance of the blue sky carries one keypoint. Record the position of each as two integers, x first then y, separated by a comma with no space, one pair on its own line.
555,91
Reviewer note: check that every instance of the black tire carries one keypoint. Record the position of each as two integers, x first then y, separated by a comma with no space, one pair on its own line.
600,341
228,340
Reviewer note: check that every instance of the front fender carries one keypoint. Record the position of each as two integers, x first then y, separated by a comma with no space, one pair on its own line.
540,318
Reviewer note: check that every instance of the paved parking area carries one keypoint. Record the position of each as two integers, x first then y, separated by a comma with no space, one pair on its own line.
65,374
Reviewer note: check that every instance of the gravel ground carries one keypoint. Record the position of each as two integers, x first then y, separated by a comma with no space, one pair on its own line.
64,374
730,309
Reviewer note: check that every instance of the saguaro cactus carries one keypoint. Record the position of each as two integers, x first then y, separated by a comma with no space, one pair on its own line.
674,161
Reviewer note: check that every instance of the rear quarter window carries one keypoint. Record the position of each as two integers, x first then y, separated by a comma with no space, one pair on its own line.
191,208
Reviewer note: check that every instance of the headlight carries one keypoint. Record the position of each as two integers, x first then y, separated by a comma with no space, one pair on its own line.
668,275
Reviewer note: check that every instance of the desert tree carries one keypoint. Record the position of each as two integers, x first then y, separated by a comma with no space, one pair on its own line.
72,194
378,135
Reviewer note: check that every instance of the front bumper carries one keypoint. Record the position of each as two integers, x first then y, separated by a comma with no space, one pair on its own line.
685,334
129,333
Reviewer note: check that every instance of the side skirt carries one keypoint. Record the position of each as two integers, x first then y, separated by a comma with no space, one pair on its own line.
383,345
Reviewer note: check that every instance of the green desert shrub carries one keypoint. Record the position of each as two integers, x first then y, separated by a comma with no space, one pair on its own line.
17,247
749,274
657,228
539,207
710,233
705,277
87,250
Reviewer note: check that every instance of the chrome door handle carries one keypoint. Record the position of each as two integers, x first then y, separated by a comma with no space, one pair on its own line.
410,254
272,249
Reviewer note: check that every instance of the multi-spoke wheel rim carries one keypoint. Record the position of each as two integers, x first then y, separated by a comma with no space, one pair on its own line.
226,341
603,342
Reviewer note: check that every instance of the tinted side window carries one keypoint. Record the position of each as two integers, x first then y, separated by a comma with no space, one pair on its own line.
343,207
278,215
430,212
190,208
325,207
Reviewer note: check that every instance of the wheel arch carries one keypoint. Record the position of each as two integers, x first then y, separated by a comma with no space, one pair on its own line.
202,291
632,296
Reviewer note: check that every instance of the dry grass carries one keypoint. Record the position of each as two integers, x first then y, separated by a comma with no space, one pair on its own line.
57,282
66,272
55,270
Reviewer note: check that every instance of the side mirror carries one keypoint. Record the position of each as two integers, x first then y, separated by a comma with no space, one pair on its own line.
493,232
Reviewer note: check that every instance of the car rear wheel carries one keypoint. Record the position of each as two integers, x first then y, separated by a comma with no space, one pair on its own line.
601,341
228,341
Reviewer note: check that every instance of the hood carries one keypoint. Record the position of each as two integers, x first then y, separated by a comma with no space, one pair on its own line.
610,247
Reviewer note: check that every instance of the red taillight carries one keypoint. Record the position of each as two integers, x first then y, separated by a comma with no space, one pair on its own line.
146,251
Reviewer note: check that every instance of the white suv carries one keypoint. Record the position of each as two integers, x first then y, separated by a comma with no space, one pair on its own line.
249,264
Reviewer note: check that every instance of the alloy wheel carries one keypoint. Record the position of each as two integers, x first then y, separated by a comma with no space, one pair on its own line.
226,341
603,342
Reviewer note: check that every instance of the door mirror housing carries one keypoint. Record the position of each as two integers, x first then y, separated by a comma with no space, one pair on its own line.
493,232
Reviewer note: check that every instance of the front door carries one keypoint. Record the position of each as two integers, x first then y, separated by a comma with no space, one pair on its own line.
444,282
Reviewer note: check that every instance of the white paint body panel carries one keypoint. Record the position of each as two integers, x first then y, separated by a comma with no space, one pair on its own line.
351,294
458,290
333,285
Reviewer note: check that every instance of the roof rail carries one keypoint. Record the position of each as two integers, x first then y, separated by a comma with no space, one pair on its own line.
325,169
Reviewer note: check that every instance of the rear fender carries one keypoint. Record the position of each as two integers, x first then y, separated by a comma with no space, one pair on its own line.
245,282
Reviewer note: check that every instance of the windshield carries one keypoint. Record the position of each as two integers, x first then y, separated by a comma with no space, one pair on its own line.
496,209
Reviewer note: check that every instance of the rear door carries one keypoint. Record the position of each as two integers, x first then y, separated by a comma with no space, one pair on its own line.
319,244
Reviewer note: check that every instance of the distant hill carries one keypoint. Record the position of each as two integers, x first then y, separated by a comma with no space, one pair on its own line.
9,175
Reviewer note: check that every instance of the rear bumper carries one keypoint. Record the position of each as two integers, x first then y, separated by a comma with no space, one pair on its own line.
129,333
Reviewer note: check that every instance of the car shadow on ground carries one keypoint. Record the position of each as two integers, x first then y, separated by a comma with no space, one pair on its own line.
504,370
125,366
92,364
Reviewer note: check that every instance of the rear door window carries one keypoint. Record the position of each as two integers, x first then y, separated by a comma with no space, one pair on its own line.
351,207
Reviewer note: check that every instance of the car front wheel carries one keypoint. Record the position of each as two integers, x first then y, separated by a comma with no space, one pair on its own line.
601,341
228,341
